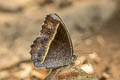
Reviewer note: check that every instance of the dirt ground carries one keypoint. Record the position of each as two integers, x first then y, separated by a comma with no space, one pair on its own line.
92,24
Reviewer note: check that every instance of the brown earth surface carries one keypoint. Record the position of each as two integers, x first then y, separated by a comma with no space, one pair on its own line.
94,27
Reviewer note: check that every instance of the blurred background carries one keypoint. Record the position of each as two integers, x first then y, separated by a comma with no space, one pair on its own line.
94,27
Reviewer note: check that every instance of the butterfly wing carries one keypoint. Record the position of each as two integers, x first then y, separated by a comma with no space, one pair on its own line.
54,47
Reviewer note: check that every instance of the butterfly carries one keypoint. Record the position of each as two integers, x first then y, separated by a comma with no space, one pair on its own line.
53,47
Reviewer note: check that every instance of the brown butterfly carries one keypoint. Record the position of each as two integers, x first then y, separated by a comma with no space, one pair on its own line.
53,48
